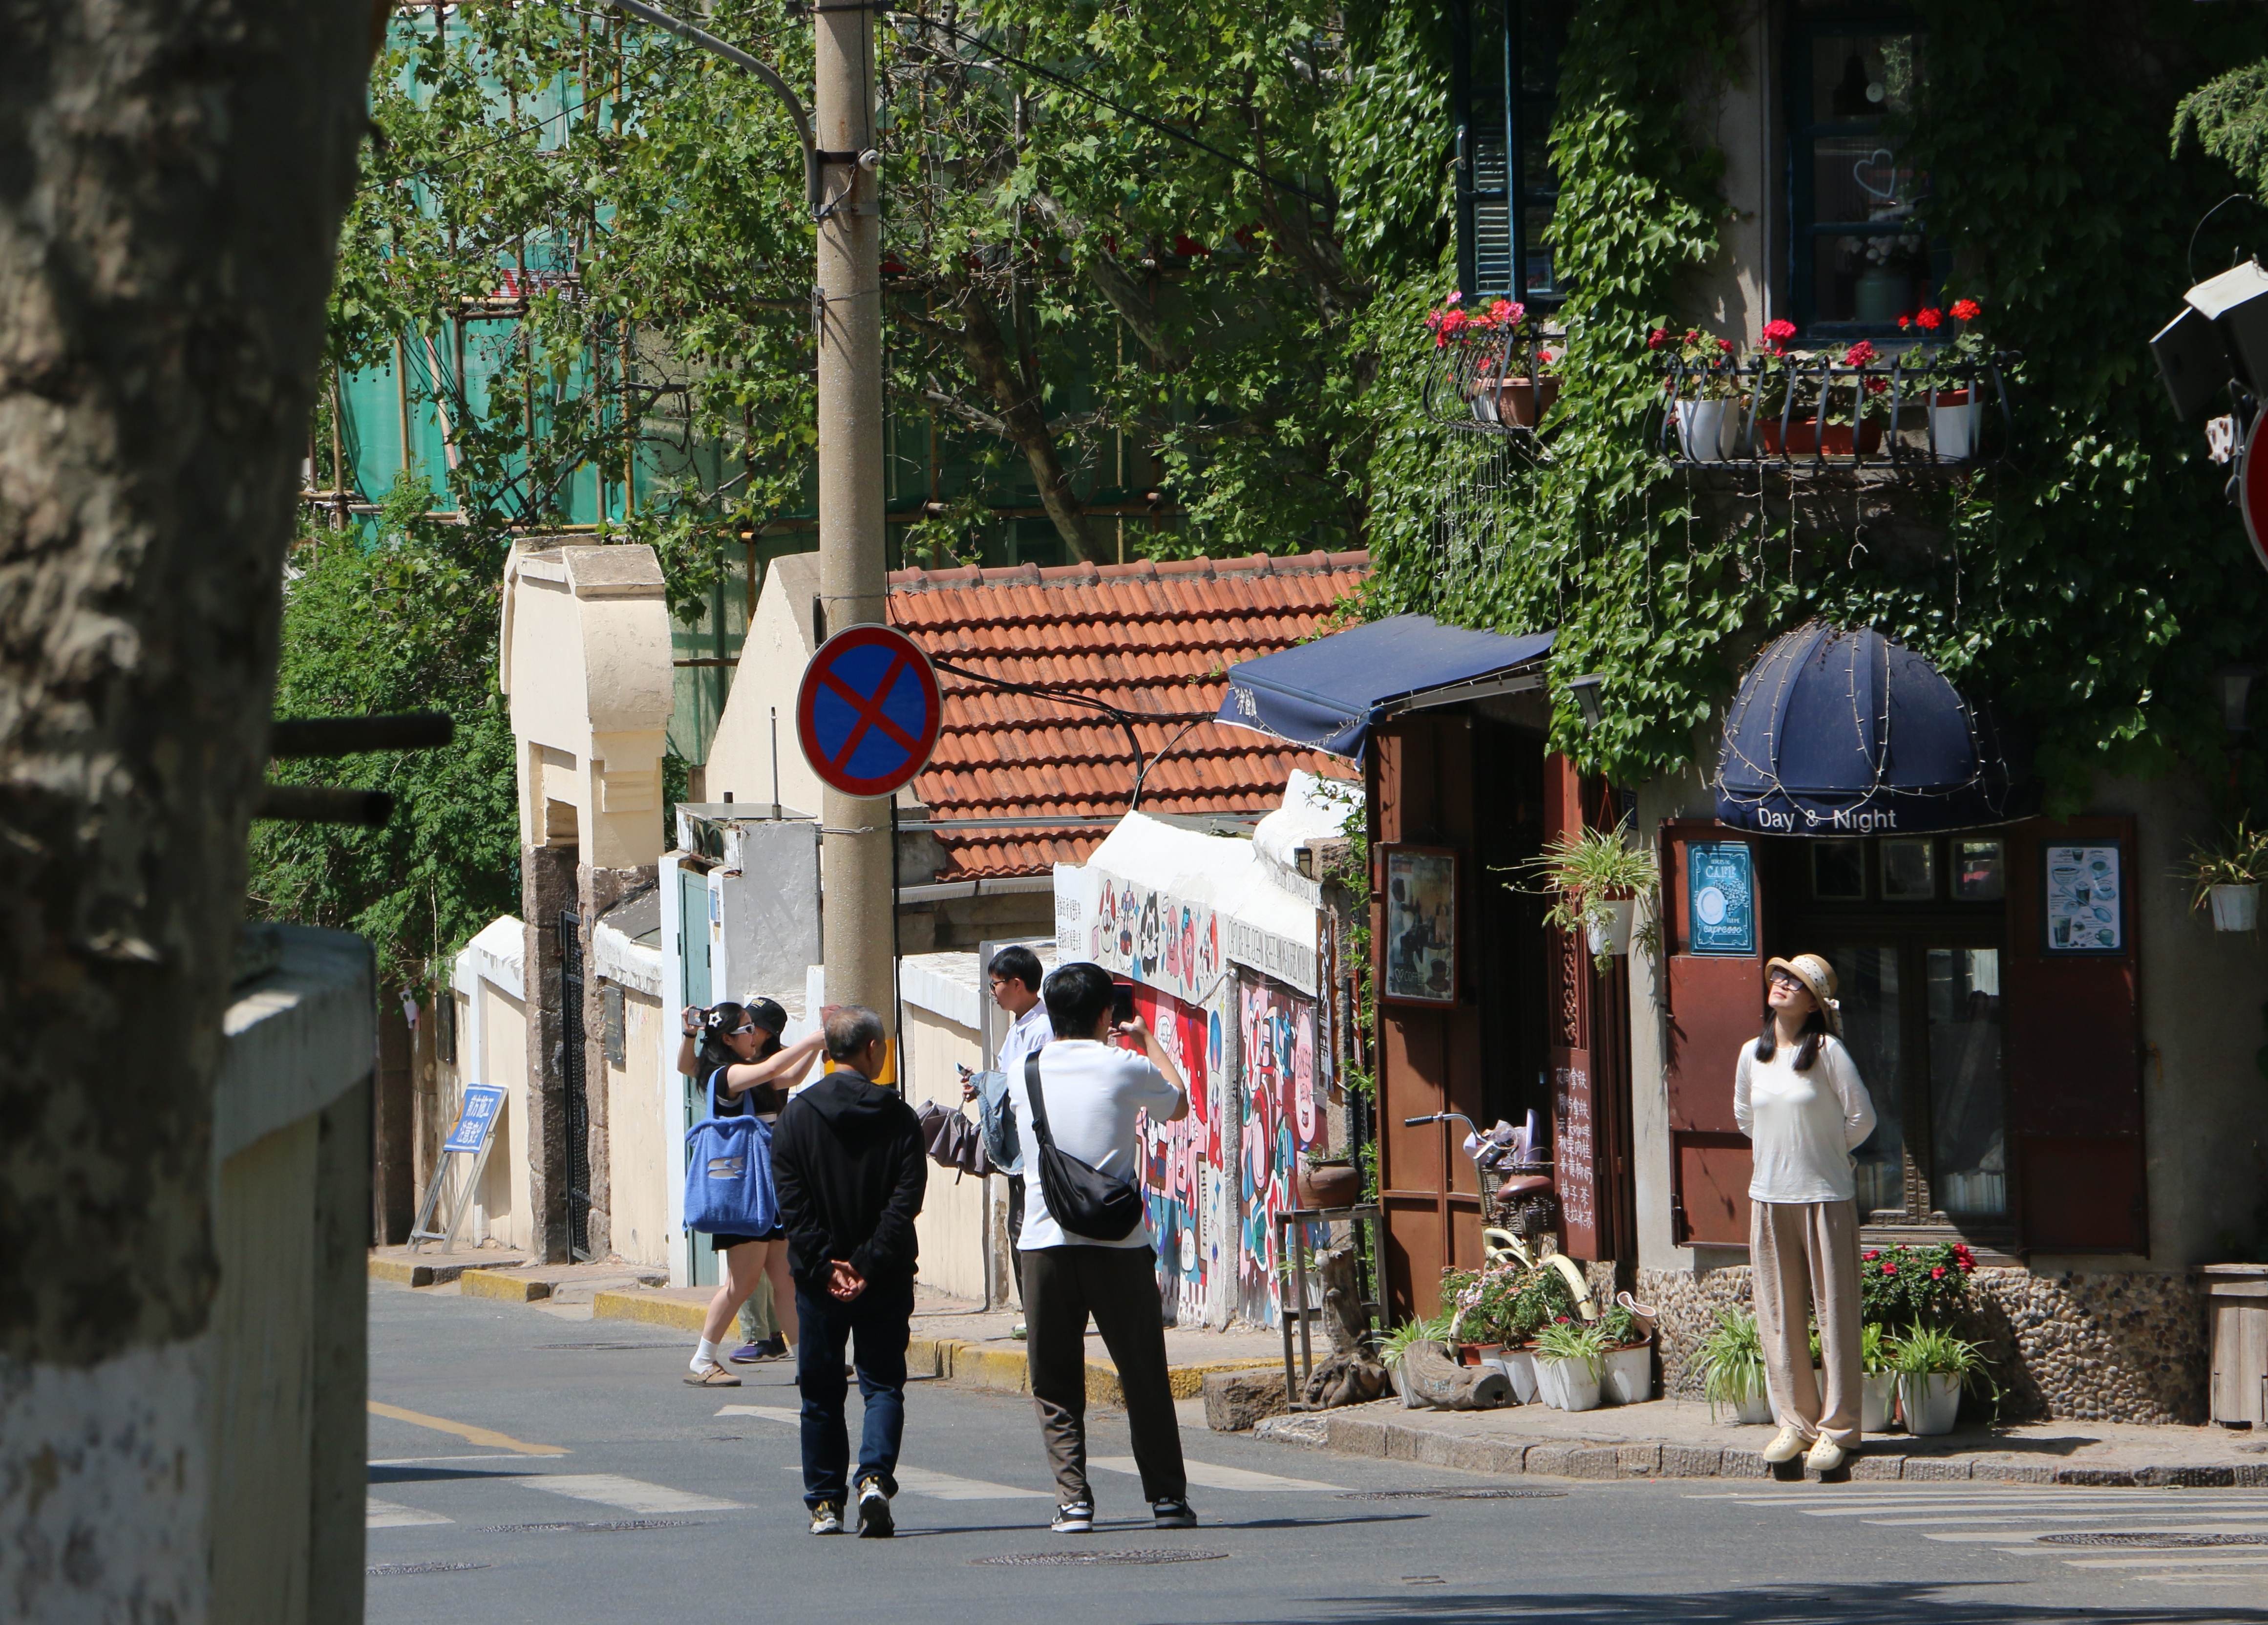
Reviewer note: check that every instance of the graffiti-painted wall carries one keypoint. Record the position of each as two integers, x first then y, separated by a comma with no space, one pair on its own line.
1183,1163
1284,1116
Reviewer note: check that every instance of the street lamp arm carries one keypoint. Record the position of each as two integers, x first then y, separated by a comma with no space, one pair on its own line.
815,191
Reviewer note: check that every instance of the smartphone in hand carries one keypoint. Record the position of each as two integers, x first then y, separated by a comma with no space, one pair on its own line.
1122,1004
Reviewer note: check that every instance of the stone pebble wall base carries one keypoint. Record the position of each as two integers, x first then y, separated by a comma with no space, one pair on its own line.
2065,1345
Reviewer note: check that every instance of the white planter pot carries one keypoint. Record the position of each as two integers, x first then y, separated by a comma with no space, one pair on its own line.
1704,426
1613,936
1519,1368
1630,1375
1574,1383
1931,1402
1954,427
2235,908
1874,1395
1547,1383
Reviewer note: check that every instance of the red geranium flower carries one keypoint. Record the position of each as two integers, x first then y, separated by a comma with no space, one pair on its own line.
1930,319
1890,1269
1937,1273
1967,310
1905,321
1779,332
1859,354
1725,344
1506,311
1657,338
1870,1257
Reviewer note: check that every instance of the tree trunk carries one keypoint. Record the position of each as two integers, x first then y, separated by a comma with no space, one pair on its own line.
172,174
981,341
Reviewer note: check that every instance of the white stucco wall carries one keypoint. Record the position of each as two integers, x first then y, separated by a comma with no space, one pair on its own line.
772,660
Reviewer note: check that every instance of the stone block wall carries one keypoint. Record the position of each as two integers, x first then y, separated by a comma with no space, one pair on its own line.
2063,1345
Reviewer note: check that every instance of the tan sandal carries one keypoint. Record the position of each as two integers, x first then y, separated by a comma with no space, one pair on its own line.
714,1376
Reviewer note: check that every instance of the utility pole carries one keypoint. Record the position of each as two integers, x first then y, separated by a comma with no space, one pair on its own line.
857,929
842,184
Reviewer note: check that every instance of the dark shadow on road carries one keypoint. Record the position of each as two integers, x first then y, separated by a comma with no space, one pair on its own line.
427,1475
1893,1603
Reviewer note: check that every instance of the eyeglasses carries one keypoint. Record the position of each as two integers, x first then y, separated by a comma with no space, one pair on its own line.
737,1031
1781,978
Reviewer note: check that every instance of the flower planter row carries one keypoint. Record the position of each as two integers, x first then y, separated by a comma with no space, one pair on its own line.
1927,1403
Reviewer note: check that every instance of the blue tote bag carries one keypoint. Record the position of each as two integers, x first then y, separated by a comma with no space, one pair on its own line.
728,1173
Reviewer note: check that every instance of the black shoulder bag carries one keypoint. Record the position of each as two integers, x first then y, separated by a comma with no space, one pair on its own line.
1084,1200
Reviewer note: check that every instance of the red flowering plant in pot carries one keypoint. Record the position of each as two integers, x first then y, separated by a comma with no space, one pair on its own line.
1497,352
1833,407
1909,1285
1703,380
1950,366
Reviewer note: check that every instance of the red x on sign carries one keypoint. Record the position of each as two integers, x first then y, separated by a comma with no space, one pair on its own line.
868,710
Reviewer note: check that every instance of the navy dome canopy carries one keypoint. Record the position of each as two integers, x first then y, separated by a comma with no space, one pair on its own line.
1845,733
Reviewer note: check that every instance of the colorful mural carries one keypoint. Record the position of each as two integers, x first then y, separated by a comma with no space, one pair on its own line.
1182,1162
1284,1098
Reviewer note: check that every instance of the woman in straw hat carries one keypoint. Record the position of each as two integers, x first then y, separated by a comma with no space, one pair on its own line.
1797,1097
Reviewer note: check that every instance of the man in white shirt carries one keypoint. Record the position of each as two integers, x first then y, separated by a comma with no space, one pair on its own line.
1091,1091
1015,976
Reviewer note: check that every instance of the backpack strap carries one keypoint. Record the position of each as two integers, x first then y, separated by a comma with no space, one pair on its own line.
1039,1100
715,1078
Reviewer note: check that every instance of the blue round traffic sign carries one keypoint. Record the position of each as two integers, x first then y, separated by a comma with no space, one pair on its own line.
868,712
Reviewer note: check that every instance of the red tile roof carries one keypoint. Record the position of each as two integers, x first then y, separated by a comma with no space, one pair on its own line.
1152,638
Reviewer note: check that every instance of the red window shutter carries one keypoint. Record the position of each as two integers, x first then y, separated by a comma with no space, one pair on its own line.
2071,1030
1575,1150
1716,1005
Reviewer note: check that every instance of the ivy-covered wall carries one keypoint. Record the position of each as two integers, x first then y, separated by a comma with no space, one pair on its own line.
2093,583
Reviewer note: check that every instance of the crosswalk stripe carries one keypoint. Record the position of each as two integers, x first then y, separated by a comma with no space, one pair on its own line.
946,1487
391,1515
2053,1518
1214,1477
2171,1560
629,1494
762,1413
1987,1536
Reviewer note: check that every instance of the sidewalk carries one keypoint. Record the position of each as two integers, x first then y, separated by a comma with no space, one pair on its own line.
1676,1438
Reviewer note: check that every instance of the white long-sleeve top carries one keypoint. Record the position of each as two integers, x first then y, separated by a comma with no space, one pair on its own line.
1804,1125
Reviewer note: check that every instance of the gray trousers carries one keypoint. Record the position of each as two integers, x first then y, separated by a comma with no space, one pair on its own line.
1804,1256
1119,1286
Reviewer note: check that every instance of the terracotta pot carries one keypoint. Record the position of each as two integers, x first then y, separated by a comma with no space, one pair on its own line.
1521,403
1330,1184
1469,1354
1803,438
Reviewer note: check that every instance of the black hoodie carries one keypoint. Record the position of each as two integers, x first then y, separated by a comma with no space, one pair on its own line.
847,1159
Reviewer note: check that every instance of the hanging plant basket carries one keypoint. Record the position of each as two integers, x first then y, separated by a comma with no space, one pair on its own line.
1609,922
2235,908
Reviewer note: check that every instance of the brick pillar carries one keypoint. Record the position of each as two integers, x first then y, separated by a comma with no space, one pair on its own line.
547,889
600,890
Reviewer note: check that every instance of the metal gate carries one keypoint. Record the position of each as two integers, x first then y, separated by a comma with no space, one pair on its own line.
579,1104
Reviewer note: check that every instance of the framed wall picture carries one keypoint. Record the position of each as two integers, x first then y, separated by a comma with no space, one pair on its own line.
2086,912
1419,954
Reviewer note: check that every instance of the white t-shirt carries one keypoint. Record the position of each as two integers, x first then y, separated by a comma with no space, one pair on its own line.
1027,1032
1804,1124
1092,1091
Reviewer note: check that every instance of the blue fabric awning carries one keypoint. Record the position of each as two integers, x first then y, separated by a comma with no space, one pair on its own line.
1845,733
1326,694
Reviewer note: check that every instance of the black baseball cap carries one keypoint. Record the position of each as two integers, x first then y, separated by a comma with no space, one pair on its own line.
768,1015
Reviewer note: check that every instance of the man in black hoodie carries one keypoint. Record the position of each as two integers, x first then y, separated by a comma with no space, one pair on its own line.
847,1159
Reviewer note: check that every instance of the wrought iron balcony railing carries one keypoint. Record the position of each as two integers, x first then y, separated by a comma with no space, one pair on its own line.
1815,413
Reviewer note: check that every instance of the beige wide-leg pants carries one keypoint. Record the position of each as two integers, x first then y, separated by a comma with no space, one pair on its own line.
1802,1255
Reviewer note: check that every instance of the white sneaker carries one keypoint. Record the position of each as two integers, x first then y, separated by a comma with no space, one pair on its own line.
1825,1455
1787,1447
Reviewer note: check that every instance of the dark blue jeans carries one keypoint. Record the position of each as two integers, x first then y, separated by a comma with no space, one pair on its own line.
881,1318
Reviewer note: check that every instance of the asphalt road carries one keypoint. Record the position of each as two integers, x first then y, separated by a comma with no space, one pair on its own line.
709,1525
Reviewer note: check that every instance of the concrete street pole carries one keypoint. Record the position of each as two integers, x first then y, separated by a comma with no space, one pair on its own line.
857,854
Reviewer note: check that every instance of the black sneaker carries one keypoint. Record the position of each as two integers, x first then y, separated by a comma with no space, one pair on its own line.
874,1520
827,1518
1174,1513
1074,1517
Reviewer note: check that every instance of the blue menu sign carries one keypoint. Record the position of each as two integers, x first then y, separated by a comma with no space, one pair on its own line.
484,1102
1720,898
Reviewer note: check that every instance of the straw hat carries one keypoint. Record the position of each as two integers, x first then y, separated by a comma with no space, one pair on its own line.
1818,978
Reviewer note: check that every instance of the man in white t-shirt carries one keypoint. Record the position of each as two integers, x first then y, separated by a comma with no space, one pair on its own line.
1092,1089
1015,976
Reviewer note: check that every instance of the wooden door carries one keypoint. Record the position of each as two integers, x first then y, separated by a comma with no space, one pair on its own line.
1716,998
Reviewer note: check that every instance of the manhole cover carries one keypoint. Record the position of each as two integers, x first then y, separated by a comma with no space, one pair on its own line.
1040,1560
378,1569
2101,1538
1455,1495
607,1526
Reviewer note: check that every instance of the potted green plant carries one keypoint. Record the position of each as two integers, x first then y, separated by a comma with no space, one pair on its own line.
1878,1381
1731,1363
1628,1365
1595,881
2225,877
1571,1365
1511,382
1932,1367
1398,1343
1909,1285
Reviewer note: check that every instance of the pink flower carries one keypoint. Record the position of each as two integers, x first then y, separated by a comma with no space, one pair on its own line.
1507,311
1457,298
1890,1269
1871,1255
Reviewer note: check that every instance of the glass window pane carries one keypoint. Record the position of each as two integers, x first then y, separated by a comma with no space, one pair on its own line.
1862,76
1867,978
1970,1162
1839,870
1857,181
1981,876
1908,870
1869,279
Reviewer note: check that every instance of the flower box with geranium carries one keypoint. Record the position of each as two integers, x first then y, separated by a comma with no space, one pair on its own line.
1950,369
1907,1285
1497,358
